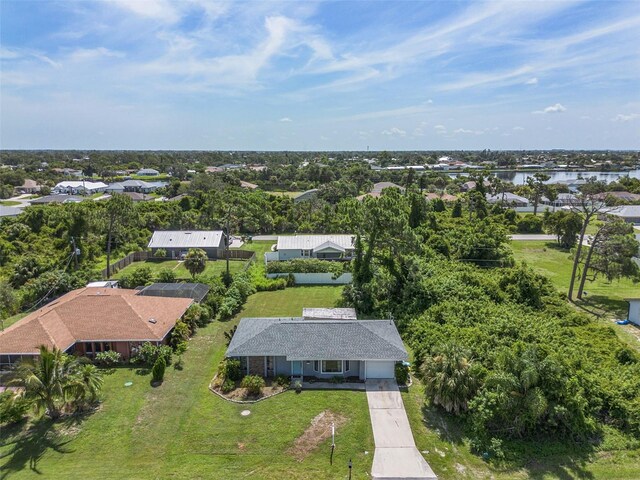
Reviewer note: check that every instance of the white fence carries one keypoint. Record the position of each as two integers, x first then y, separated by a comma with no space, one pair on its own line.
316,278
270,257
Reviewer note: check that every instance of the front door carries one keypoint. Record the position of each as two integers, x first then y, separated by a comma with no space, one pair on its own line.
296,368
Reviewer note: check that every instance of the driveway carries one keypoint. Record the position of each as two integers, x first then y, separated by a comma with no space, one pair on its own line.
396,456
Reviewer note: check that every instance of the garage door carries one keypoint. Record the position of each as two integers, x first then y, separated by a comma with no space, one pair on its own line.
380,369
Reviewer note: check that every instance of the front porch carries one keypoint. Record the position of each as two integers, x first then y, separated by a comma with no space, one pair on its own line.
272,366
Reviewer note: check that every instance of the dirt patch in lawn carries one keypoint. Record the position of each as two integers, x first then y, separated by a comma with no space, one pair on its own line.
316,433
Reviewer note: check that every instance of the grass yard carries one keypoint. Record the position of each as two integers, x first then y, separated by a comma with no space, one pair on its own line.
285,194
181,430
9,203
605,297
260,247
450,456
214,267
13,319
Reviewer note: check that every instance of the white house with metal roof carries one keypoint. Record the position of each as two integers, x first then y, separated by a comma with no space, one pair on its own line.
325,247
324,348
82,187
177,243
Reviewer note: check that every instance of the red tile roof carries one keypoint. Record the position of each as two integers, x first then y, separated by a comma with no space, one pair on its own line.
94,314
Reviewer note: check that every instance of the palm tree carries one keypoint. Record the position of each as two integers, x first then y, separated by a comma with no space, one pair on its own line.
195,261
47,380
87,383
450,379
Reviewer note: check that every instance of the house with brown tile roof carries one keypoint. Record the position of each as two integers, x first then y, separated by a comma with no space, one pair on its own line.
89,320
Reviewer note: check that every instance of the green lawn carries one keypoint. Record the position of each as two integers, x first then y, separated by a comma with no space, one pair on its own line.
285,194
605,297
13,319
181,430
9,203
214,267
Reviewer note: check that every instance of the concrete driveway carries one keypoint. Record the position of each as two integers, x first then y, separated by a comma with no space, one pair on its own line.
396,456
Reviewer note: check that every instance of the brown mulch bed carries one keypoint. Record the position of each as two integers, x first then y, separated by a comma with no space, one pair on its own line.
316,433
240,393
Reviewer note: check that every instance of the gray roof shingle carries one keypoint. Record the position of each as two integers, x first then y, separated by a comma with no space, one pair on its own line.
299,339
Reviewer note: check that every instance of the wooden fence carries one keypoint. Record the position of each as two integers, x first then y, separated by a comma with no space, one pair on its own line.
142,256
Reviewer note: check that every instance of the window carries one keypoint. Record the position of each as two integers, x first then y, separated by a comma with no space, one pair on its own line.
316,366
331,366
306,253
347,365
88,347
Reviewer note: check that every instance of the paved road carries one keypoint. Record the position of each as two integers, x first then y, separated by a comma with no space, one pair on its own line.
396,456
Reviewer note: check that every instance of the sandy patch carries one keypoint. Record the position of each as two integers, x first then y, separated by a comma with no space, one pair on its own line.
316,433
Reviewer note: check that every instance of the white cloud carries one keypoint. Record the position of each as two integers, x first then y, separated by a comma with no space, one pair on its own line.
518,128
625,118
285,119
394,132
154,9
532,81
468,132
557,108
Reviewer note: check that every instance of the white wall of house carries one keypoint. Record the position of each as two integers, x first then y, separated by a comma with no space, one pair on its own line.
634,311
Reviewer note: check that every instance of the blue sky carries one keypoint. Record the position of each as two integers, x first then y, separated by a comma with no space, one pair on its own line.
194,74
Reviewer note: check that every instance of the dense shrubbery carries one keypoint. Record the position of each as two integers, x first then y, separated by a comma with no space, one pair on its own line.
159,367
230,368
137,277
530,224
402,373
147,354
13,407
109,358
253,383
310,265
236,295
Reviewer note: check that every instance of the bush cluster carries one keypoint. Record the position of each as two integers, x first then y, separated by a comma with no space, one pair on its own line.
311,265
110,358
253,383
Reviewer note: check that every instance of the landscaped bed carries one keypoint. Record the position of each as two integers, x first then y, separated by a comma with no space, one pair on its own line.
240,394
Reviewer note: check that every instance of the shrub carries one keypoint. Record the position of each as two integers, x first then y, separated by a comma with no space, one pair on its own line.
108,359
13,407
166,275
140,276
160,253
253,383
298,386
530,224
281,381
180,334
230,368
196,316
227,385
402,373
308,266
147,353
337,379
157,372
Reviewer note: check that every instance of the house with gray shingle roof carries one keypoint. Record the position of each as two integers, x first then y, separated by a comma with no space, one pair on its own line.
321,348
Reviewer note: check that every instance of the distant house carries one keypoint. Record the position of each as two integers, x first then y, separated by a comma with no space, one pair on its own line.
627,197
323,348
79,187
93,320
29,186
117,187
628,213
325,247
58,198
178,243
306,196
232,166
250,186
445,197
138,197
148,172
377,189
565,200
213,170
9,211
470,185
508,198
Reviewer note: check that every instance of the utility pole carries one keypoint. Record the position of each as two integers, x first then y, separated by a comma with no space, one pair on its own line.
76,252
228,241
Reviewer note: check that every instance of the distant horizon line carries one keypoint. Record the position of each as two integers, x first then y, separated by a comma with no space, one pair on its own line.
318,151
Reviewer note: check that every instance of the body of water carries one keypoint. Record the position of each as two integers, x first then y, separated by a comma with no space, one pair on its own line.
520,178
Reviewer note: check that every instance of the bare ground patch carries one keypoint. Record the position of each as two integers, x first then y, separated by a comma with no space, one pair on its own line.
316,433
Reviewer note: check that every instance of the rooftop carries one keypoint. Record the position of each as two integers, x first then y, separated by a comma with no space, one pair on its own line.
299,339
309,242
186,239
94,314
329,313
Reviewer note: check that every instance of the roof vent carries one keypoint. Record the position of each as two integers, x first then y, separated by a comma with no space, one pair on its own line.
153,320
